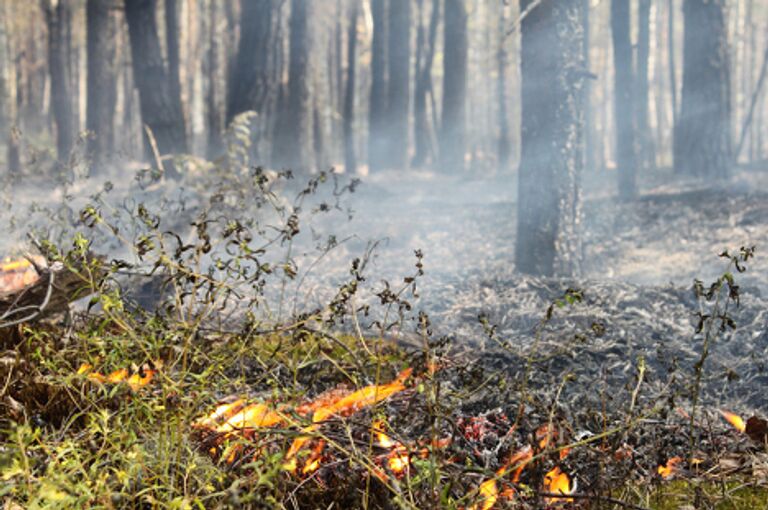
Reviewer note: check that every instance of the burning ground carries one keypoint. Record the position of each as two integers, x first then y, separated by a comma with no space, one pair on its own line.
510,392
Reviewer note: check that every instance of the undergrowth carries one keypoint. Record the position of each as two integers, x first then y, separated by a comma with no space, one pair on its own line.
201,290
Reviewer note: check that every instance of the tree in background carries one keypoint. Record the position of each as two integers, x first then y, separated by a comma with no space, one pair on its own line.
101,26
548,204
294,144
702,145
646,152
453,130
425,53
8,98
623,97
350,157
378,98
159,110
251,81
57,16
399,82
172,48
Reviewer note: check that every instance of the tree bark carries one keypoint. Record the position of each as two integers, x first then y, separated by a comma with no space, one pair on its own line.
378,101
172,45
623,99
159,110
398,91
425,44
8,95
453,130
57,16
504,145
702,145
350,157
101,45
294,146
549,202
216,71
251,81
646,152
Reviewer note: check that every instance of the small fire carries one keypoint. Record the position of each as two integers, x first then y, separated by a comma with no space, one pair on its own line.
135,381
18,273
557,482
671,468
398,459
735,420
489,494
251,417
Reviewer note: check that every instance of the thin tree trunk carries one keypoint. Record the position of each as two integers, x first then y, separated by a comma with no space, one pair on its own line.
589,134
295,143
398,91
102,78
623,98
549,210
8,97
702,143
160,111
504,147
172,44
642,125
350,158
671,58
57,15
453,128
425,43
216,72
378,101
752,103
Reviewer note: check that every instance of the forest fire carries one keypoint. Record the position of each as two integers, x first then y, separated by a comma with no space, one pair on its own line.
15,274
735,420
671,468
135,381
557,482
238,418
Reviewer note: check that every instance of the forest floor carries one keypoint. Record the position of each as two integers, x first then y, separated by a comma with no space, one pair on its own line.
609,372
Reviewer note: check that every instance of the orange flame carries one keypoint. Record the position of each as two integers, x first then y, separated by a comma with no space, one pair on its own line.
222,412
671,467
251,417
735,420
134,381
345,405
17,274
489,494
489,490
557,482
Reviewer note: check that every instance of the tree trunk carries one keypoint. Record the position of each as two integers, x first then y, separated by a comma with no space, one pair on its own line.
398,92
548,211
102,78
250,82
425,43
702,144
294,146
504,146
672,58
57,16
453,129
623,98
378,102
172,44
8,96
159,110
647,158
216,74
350,158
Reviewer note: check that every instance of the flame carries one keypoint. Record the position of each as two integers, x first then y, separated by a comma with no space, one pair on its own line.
557,482
313,461
344,405
251,417
222,411
489,494
398,459
735,420
17,274
134,381
670,468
